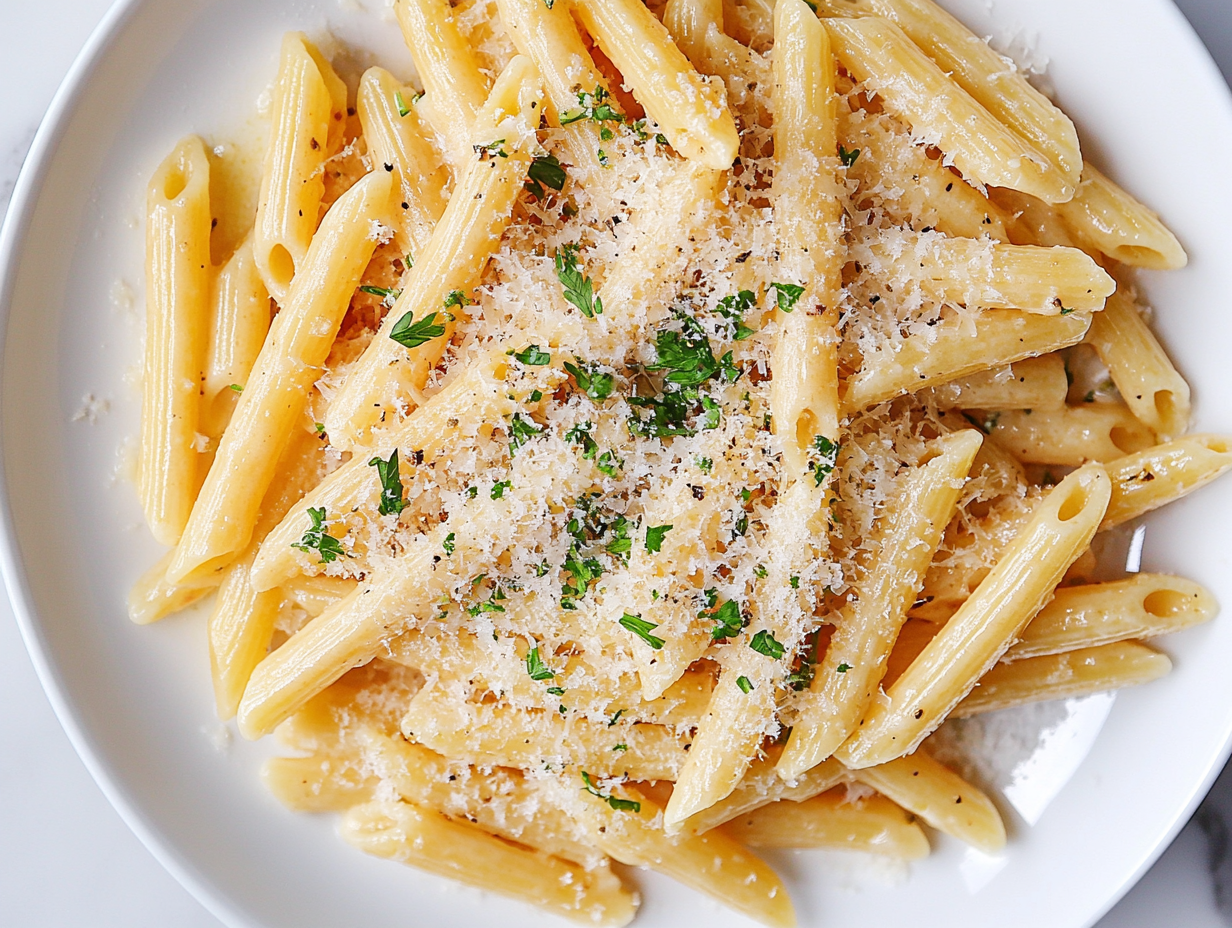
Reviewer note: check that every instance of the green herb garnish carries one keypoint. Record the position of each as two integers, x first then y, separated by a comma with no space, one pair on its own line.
641,628
765,643
618,805
532,354
654,537
786,295
579,290
317,539
544,171
411,334
391,484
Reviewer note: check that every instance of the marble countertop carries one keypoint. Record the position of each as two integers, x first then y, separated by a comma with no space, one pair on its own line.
66,858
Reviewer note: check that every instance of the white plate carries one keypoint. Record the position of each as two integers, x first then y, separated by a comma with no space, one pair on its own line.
136,701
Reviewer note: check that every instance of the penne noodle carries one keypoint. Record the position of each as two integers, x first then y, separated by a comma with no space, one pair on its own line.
153,598
395,137
316,594
690,110
1141,606
687,21
1104,218
985,626
239,321
454,85
177,262
318,783
500,800
223,517
1037,384
1151,387
1070,436
1001,337
980,274
870,824
994,82
1064,676
940,797
464,852
847,679
389,377
712,863
1149,479
307,117
911,86
490,733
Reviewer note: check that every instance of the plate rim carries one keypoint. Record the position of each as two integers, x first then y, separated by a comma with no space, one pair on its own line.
17,220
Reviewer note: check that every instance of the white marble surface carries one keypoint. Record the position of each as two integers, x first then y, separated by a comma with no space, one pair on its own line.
66,859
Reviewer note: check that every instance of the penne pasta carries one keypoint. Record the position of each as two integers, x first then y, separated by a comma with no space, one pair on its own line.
153,598
986,624
306,126
223,517
1001,337
390,376
846,680
461,851
454,85
691,111
1032,383
1069,436
870,824
911,86
1141,606
318,783
1148,479
1151,387
1104,218
1064,676
177,258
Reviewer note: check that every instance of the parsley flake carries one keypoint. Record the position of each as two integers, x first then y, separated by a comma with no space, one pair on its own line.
617,804
317,539
403,109
491,150
533,354
843,668
745,685
391,484
499,488
521,430
823,455
786,295
654,537
593,382
448,543
848,157
733,308
641,628
592,105
765,643
579,289
535,668
388,295
727,621
544,171
411,334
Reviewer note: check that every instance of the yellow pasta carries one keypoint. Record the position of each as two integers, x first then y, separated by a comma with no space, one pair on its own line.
986,624
318,783
1000,337
153,598
1151,478
177,254
306,125
691,111
1064,676
226,509
1146,379
1033,383
390,375
1069,436
871,824
461,851
1104,218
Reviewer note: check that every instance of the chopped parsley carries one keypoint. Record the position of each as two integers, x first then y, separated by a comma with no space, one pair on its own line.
491,149
457,298
593,382
499,488
535,396
745,685
687,357
317,539
823,455
521,430
236,387
848,157
391,484
641,628
671,411
579,289
535,668
411,334
727,621
320,427
533,354
617,804
765,643
705,465
620,747
794,581
582,572
593,105
843,668
448,543
786,295
609,464
580,435
1065,312
733,308
760,571
654,537
387,294
615,718
544,171
403,109
555,691
621,544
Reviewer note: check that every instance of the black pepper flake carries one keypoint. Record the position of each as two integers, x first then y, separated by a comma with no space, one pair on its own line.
389,167
919,713
698,492
316,146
